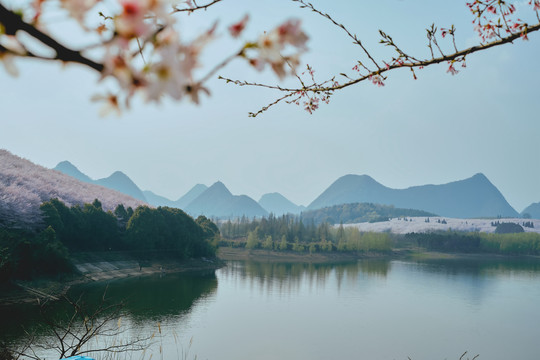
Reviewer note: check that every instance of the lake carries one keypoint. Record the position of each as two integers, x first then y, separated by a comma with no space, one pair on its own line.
367,309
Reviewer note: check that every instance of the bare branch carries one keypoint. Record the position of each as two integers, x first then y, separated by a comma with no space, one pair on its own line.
196,7
341,26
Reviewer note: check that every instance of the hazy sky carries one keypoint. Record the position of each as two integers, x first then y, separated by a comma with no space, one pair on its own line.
437,129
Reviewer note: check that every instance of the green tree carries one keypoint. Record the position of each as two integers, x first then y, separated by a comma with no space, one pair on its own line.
297,246
97,204
121,213
268,244
252,240
283,244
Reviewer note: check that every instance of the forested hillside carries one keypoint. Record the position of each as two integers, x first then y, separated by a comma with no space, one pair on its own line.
25,254
358,213
24,186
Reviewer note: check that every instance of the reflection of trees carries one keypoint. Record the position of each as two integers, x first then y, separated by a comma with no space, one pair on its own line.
144,298
289,277
154,297
480,267
471,277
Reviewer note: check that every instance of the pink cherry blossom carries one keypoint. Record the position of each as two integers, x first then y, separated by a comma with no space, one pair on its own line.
237,28
377,80
78,9
451,69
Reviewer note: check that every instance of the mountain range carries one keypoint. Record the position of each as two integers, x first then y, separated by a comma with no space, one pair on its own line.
214,201
217,201
117,181
468,198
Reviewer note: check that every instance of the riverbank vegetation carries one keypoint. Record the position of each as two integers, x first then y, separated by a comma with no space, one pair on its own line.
289,233
27,254
503,244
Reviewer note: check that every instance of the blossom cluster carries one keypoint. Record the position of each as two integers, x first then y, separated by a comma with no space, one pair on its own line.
496,18
143,52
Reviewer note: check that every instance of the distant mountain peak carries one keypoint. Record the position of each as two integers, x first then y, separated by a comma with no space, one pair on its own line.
279,205
271,195
121,182
217,201
119,176
191,195
65,164
118,173
68,168
479,177
349,189
218,186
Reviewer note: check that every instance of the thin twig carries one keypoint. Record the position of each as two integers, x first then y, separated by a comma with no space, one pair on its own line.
196,7
354,37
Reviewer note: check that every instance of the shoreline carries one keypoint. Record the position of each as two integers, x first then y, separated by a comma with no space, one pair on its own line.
92,267
400,254
98,270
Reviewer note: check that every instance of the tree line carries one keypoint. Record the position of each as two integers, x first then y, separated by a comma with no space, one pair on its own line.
524,243
25,254
290,233
359,212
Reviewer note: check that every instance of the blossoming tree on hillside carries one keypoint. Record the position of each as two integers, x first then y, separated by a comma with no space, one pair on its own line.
139,47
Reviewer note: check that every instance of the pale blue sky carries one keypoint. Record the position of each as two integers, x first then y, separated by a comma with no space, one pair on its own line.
437,129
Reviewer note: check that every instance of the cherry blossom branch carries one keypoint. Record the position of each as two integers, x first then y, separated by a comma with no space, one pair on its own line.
13,23
415,64
514,29
221,65
264,108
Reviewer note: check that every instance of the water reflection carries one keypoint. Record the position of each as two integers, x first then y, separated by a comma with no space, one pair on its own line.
363,309
154,297
146,299
290,277
481,267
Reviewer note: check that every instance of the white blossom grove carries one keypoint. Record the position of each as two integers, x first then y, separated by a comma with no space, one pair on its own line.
139,47
24,186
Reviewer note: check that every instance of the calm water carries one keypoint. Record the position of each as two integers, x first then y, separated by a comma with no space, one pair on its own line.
363,310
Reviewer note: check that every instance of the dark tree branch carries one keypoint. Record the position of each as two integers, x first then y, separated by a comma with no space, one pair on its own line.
13,23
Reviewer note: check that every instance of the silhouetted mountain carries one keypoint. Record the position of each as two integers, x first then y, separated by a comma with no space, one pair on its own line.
157,200
279,205
533,210
24,186
350,189
121,182
117,181
217,201
191,195
472,197
68,168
